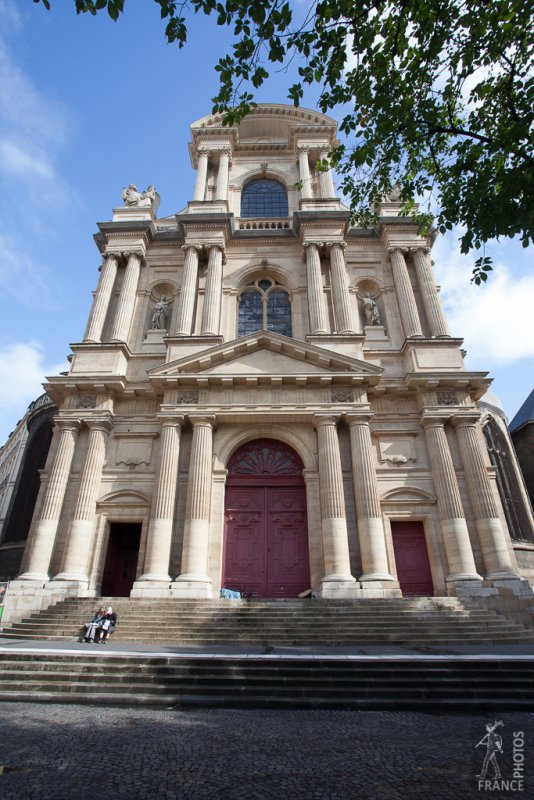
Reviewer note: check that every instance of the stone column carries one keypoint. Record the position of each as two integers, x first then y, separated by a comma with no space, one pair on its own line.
429,293
186,300
316,301
492,539
407,305
202,172
337,580
211,313
108,273
340,289
80,536
370,526
193,580
159,540
304,172
453,524
43,540
125,309
222,175
326,182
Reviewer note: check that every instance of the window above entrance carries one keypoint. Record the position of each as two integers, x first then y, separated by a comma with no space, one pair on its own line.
265,457
264,306
264,197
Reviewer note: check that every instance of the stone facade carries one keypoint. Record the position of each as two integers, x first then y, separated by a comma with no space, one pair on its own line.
266,334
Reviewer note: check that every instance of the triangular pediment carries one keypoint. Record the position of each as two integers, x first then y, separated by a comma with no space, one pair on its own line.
266,353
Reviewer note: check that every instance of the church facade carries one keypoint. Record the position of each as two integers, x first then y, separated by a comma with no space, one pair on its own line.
266,399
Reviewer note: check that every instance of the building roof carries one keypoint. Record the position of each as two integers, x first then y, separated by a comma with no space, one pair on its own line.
524,415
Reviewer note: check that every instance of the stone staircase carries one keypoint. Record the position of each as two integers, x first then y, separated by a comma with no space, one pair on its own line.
411,621
397,683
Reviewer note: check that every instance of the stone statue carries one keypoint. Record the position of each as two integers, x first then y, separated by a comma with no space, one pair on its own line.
132,197
372,315
159,314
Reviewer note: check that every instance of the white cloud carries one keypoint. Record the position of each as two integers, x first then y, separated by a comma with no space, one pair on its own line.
22,372
496,320
20,162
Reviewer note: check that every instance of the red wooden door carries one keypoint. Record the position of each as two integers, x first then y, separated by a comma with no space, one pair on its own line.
411,558
266,541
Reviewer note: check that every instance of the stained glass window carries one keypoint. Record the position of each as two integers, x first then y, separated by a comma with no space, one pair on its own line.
267,306
264,198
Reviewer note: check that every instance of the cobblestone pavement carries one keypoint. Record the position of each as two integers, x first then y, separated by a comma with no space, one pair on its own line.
76,752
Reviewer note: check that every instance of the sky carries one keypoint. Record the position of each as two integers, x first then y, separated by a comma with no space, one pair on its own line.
88,106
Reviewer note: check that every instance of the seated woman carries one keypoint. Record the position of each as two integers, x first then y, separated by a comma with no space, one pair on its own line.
109,623
92,627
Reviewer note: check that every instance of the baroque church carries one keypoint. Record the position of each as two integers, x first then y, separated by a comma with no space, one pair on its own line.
269,400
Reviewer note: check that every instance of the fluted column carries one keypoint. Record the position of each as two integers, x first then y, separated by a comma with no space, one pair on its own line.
80,536
211,313
326,181
202,172
193,576
492,539
405,295
126,305
452,517
370,526
222,175
340,289
304,173
316,300
186,300
429,293
43,540
158,550
108,273
332,503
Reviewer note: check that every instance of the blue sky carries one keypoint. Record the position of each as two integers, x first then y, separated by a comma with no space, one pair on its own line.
88,106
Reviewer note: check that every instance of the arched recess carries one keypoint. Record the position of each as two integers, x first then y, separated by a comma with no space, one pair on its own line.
266,533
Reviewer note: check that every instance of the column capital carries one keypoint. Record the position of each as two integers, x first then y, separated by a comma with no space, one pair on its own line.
303,148
104,424
203,421
465,419
359,418
170,421
433,420
72,425
186,247
424,248
392,249
111,254
139,253
342,245
204,151
318,245
322,420
221,247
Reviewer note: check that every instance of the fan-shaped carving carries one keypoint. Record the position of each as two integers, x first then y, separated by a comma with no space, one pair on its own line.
265,457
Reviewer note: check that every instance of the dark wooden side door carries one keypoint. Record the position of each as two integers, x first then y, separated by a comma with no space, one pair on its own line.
411,558
121,559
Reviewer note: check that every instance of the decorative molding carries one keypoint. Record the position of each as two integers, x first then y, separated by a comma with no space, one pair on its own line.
86,401
447,398
342,396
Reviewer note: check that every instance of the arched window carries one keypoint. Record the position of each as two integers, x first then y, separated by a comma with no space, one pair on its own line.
264,197
507,483
264,306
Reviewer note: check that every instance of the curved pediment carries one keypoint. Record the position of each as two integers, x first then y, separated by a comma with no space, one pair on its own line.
124,497
407,494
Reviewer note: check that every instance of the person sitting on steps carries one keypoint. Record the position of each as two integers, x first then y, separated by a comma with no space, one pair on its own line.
90,628
109,623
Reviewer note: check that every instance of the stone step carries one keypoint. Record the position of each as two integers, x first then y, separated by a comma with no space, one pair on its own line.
267,682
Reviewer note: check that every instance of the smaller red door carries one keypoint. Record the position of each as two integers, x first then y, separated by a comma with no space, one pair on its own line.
411,558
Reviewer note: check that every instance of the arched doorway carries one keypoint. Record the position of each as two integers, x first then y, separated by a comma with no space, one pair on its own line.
266,532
